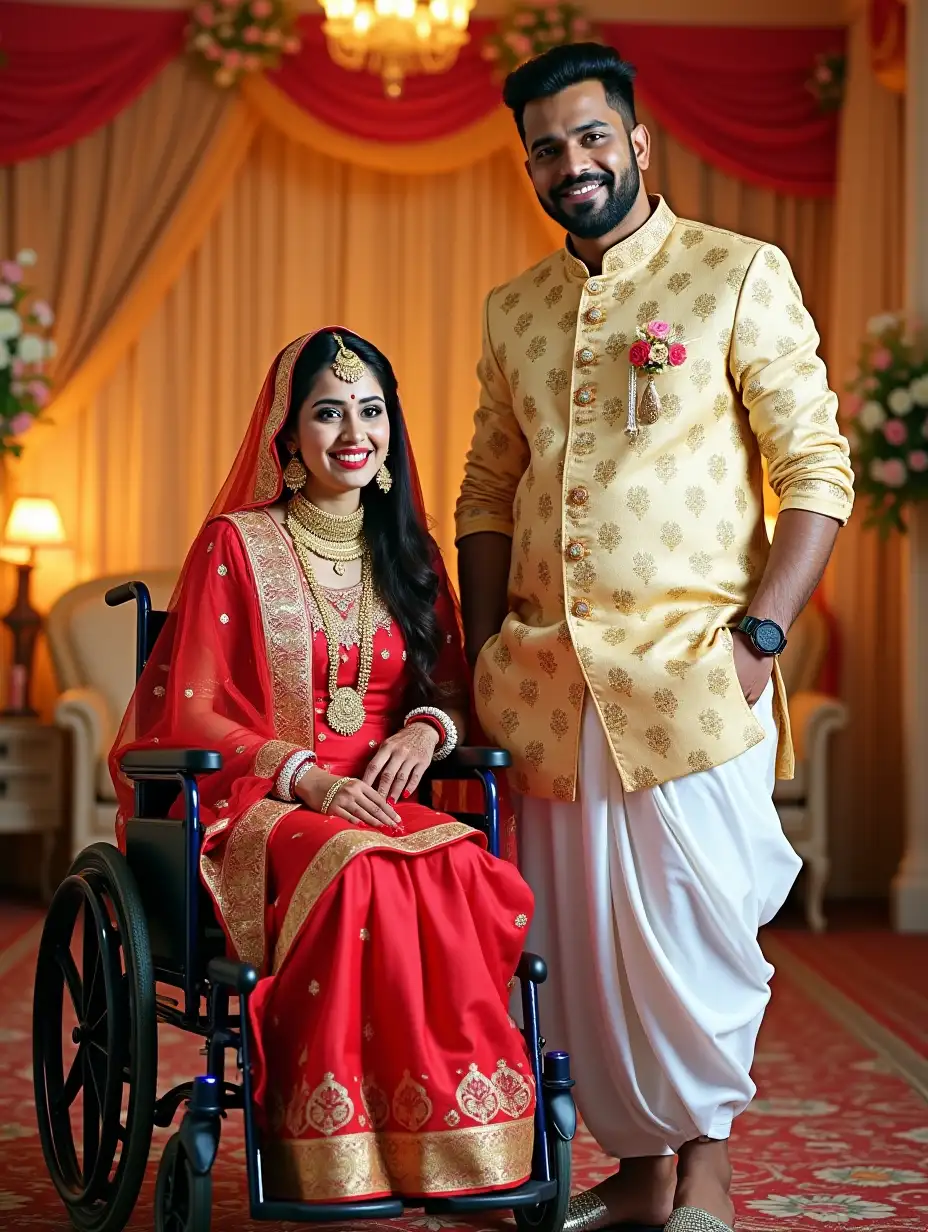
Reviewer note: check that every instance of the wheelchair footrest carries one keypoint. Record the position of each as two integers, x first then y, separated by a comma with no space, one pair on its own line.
327,1212
532,1193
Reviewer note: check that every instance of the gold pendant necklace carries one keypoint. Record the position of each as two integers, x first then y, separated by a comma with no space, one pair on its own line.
345,713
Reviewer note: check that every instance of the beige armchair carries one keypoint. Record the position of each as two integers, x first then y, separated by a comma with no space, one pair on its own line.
93,651
802,802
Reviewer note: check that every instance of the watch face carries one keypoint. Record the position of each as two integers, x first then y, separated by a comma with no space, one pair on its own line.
769,637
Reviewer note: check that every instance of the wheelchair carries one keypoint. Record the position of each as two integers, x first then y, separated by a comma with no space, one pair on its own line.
117,925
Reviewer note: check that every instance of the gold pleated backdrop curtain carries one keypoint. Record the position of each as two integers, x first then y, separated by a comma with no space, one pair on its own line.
280,238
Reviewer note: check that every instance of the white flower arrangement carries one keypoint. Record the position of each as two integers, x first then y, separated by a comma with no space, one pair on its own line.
25,347
889,419
235,37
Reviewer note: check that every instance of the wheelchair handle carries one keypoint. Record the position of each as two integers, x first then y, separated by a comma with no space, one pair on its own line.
126,593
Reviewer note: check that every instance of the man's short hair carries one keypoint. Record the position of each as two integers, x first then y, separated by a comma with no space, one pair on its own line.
569,65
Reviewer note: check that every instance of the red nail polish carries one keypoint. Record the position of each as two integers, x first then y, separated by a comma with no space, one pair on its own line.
391,801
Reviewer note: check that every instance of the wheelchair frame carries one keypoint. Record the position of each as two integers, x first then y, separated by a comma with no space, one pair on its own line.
142,933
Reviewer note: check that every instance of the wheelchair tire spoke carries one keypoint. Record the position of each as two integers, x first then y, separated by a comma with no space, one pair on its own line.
91,1134
65,960
74,1081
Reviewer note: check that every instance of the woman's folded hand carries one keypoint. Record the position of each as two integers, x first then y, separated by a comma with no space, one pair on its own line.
399,764
355,801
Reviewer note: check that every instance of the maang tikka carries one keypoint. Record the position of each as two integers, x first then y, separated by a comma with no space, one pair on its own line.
346,365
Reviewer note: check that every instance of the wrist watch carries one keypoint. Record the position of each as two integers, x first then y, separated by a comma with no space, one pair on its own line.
765,636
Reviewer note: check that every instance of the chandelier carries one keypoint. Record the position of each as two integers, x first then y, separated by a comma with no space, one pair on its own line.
395,38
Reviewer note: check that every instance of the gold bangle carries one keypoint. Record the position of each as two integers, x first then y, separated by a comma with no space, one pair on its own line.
333,792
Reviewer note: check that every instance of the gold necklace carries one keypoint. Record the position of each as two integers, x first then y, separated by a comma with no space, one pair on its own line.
332,537
345,713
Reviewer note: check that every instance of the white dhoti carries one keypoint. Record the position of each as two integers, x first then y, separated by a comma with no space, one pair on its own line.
647,910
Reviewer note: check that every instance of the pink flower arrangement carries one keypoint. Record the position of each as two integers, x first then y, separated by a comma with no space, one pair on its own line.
888,414
237,37
25,348
657,348
532,28
895,431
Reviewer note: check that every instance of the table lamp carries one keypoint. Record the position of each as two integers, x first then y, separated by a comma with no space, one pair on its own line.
34,522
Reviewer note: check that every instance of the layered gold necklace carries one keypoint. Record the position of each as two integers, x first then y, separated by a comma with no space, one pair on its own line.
330,536
338,539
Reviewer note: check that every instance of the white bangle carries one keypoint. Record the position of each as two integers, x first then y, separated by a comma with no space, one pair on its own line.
286,777
450,743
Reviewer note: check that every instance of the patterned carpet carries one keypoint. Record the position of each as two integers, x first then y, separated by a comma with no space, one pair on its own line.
837,1135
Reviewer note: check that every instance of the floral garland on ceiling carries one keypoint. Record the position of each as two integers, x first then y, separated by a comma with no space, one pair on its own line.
527,30
233,38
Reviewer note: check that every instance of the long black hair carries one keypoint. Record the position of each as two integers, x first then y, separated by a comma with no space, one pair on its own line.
403,553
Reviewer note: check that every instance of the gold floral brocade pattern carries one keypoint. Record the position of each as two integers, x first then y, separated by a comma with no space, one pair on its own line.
267,480
286,624
631,557
236,875
360,1165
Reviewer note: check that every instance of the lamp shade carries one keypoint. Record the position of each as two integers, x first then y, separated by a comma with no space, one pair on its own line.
34,522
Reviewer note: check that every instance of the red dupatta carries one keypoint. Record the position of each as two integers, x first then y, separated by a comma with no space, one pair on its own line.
195,692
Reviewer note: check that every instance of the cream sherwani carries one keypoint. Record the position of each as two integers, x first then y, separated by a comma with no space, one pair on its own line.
647,827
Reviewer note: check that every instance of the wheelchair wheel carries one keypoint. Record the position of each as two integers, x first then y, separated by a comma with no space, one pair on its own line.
183,1200
550,1216
94,1045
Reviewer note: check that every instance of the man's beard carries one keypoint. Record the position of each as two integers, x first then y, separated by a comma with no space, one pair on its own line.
586,221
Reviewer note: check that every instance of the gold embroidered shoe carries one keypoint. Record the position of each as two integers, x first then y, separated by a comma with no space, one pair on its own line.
585,1213
692,1219
588,1213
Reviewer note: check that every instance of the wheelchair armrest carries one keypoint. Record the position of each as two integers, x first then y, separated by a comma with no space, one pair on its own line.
146,763
466,759
240,977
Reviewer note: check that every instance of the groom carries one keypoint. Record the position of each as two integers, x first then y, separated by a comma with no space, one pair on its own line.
624,612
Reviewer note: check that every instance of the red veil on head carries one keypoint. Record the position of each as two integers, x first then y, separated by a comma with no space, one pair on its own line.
154,714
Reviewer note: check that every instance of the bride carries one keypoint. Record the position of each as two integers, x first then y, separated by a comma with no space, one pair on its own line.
313,640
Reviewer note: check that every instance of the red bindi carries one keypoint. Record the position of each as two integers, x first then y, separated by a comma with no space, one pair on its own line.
353,397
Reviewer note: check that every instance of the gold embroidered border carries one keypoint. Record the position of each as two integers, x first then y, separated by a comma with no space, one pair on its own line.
271,756
237,878
268,476
332,857
360,1165
287,632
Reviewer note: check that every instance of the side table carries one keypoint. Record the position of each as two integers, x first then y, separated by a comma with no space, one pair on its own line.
31,774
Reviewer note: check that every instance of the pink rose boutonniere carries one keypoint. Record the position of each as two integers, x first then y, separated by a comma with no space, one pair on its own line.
657,348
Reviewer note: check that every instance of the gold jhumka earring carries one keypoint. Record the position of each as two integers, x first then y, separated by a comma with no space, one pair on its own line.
384,479
295,473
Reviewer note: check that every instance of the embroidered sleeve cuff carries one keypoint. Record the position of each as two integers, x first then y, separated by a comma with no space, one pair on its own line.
819,496
271,756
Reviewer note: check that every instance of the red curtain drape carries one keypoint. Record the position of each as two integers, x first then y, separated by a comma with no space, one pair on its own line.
737,96
70,70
